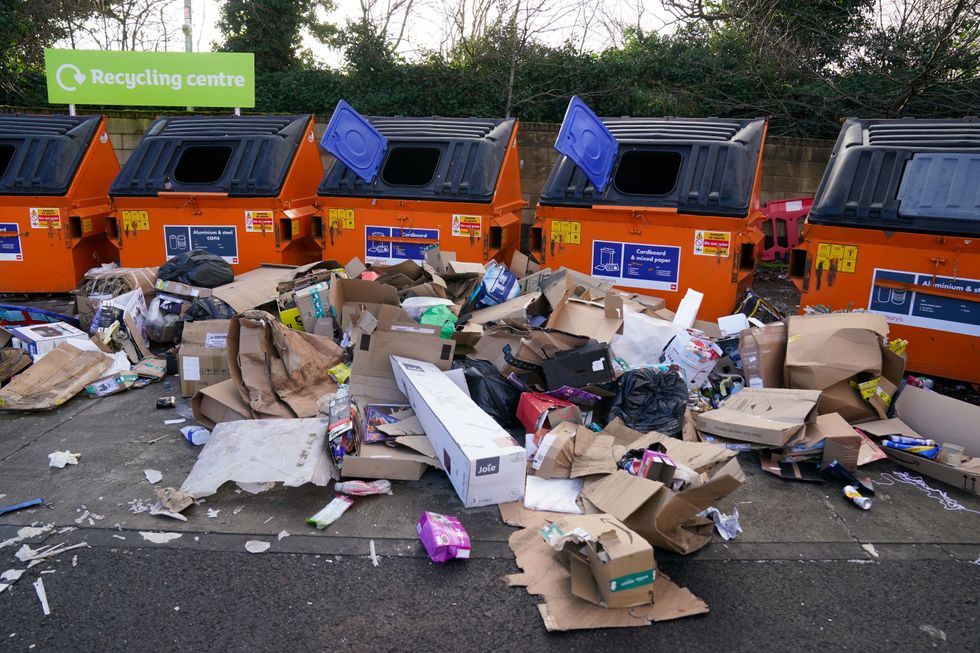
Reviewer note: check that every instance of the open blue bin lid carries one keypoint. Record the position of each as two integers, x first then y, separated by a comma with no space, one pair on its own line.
584,139
355,141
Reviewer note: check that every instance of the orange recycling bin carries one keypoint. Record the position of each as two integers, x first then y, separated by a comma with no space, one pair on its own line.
240,187
399,186
655,205
895,229
55,173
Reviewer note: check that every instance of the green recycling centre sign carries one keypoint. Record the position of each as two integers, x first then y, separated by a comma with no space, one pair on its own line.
200,79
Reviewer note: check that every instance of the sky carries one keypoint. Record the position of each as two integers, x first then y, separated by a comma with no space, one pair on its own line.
592,23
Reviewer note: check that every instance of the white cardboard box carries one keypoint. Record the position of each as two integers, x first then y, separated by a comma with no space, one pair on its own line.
484,464
39,339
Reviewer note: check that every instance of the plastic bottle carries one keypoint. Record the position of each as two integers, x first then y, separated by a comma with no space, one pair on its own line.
902,439
864,503
926,451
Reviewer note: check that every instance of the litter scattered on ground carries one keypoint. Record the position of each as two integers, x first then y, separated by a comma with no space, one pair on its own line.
443,537
27,532
330,512
159,537
10,577
59,459
42,596
374,554
282,535
21,506
153,476
257,546
727,525
27,554
176,420
870,548
212,513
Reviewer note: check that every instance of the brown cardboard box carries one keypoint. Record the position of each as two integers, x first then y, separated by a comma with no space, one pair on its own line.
182,289
518,309
763,353
218,403
313,303
663,517
382,461
553,459
350,296
610,564
258,288
203,355
922,413
769,416
825,352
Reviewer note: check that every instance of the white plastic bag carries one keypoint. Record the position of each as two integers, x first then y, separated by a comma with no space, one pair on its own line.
643,339
553,495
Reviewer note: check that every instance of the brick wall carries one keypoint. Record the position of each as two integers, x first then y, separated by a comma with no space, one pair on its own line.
792,167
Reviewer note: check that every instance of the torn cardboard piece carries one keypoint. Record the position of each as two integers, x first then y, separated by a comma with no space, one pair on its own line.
221,402
555,453
921,413
279,372
768,416
288,451
763,354
591,319
544,575
663,517
60,375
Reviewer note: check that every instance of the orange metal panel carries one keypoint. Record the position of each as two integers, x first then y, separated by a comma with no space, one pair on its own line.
71,237
928,287
476,232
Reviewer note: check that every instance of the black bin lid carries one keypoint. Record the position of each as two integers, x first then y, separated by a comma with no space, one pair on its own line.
243,156
39,155
907,175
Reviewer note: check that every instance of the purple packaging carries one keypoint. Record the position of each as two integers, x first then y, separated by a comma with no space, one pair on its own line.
443,537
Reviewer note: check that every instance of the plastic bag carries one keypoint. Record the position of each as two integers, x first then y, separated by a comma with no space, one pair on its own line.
491,391
209,308
643,339
197,268
442,317
650,400
160,321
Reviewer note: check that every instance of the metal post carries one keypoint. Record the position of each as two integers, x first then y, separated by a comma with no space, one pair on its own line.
188,31
238,111
71,109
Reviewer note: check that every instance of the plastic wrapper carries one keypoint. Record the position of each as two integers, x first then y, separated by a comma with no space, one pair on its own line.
650,400
443,537
441,317
331,512
491,391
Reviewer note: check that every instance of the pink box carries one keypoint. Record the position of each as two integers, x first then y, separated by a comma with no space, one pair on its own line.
444,537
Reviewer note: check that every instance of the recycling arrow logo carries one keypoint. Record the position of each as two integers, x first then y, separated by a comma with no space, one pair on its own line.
77,76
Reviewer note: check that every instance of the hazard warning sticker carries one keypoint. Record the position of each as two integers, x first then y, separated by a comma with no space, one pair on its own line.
340,219
10,249
713,243
467,225
135,221
45,219
844,257
568,232
258,221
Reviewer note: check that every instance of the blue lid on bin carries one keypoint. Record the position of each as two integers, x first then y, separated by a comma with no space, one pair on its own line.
586,140
353,139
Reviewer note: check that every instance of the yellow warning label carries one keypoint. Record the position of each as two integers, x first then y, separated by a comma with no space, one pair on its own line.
566,231
294,227
258,221
340,218
135,221
467,225
86,225
45,219
843,257
712,243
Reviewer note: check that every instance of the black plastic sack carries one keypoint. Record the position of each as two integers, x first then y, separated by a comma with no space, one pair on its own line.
491,391
650,400
209,308
197,268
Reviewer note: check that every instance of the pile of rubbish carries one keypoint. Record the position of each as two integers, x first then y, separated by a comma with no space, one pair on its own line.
602,424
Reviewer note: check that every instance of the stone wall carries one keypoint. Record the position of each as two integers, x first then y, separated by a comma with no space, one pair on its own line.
792,167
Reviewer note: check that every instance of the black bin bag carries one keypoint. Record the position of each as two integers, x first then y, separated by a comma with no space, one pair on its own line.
649,400
491,391
197,268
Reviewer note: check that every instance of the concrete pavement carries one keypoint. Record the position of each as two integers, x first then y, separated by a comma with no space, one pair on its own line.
809,571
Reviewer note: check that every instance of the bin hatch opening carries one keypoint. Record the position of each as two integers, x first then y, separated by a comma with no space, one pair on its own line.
410,166
6,156
647,173
202,164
